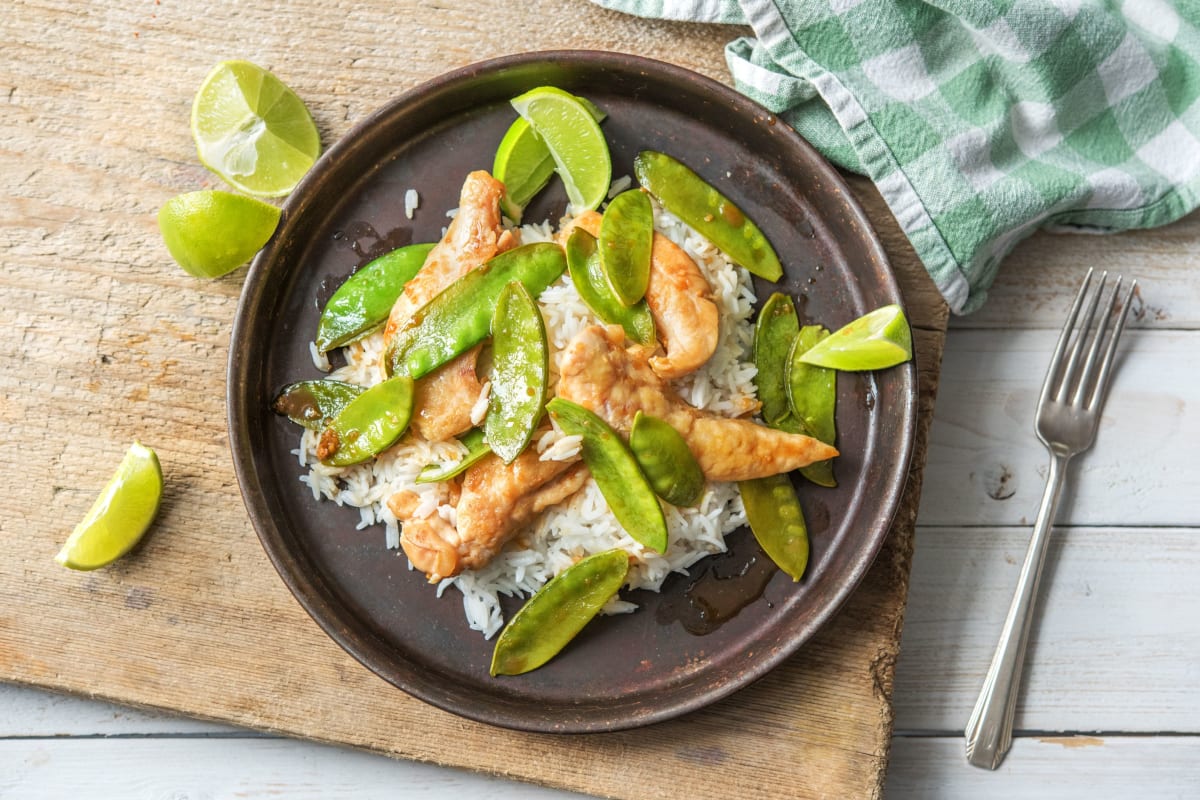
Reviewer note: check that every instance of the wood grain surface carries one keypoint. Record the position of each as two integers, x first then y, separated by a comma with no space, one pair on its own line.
108,341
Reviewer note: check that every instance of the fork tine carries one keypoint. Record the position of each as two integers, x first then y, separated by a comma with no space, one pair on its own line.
1098,394
1088,376
1056,360
1072,369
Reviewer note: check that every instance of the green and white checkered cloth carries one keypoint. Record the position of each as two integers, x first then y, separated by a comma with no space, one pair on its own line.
982,121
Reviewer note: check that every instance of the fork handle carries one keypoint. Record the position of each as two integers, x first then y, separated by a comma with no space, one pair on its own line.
989,731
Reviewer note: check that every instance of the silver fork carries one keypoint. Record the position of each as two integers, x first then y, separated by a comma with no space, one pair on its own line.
1068,415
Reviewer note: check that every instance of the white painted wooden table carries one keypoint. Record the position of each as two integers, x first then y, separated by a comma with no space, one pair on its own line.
1111,705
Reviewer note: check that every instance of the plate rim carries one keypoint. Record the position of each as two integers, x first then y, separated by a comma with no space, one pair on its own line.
310,590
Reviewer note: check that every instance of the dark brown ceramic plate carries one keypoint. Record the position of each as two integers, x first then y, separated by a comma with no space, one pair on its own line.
675,654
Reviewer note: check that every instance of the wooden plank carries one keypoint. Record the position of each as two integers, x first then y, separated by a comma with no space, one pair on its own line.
989,468
1114,647
132,769
1049,768
1037,282
926,768
109,341
29,712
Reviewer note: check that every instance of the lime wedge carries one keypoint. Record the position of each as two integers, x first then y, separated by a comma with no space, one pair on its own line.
574,140
120,515
524,165
876,340
210,233
252,130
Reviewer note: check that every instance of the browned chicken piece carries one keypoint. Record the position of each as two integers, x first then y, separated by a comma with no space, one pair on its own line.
686,318
471,239
598,373
429,542
496,501
499,499
443,399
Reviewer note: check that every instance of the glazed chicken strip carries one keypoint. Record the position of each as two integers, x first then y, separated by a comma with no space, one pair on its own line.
680,301
443,399
597,372
496,501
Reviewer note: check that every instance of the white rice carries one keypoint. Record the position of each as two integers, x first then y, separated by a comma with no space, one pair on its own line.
411,201
619,185
584,524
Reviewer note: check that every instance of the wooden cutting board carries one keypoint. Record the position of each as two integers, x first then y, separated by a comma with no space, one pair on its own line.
107,341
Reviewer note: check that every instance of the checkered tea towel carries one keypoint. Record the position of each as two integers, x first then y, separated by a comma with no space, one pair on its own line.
982,121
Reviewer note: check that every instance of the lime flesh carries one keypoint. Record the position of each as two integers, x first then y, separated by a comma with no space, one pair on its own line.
210,233
877,340
574,140
252,130
121,514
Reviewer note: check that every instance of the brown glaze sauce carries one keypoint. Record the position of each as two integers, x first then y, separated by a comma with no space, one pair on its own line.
299,403
719,589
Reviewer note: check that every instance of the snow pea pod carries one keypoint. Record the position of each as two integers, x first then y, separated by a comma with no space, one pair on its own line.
812,397
665,459
629,494
477,448
774,333
626,236
520,373
460,317
775,518
365,299
583,262
558,612
313,403
689,197
370,424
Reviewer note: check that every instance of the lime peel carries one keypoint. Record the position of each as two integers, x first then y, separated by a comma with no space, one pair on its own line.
121,515
210,233
877,340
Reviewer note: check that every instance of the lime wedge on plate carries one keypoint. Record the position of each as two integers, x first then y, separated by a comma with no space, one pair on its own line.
252,130
876,340
574,140
120,515
524,165
211,233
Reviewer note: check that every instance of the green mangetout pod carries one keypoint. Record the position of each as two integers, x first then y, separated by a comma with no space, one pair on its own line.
583,261
686,195
558,612
665,459
626,237
477,448
364,301
775,518
629,494
520,373
774,333
370,424
812,397
524,165
313,403
460,317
